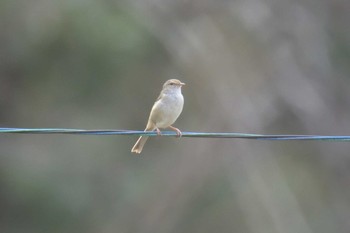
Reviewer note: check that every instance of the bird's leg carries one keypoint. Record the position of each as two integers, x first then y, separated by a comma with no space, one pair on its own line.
158,132
178,132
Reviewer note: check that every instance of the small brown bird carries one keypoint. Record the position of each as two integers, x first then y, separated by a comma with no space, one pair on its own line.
165,111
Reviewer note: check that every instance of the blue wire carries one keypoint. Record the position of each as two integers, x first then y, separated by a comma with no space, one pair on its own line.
171,133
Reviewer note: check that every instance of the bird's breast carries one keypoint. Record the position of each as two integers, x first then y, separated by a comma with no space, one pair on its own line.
166,110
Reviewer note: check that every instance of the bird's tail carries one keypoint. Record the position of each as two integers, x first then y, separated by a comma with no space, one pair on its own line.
137,148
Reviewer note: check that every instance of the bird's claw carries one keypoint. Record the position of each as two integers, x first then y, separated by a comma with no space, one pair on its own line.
178,132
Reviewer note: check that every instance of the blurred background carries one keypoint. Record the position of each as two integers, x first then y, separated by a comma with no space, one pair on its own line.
253,66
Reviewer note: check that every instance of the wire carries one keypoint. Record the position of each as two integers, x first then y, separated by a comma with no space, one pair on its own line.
282,137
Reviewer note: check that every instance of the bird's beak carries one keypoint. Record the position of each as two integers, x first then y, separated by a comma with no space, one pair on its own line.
182,84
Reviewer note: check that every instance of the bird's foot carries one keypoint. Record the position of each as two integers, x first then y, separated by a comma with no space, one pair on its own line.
159,133
178,132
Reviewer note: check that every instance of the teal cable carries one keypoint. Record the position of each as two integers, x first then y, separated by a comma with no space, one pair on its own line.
275,137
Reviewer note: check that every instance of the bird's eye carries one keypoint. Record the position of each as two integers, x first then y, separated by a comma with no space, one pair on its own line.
172,83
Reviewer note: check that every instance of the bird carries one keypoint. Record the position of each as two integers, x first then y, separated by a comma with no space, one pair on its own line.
164,112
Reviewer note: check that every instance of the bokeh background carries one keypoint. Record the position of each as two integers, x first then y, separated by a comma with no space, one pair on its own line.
253,66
